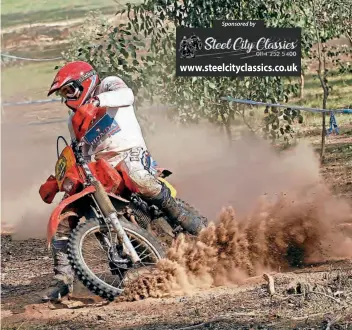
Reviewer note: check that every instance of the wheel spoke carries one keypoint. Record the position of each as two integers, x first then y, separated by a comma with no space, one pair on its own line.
145,257
146,249
95,253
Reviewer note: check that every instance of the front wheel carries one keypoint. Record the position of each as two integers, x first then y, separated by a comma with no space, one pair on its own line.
105,273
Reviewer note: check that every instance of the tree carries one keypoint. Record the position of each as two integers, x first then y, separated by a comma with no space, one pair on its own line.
200,95
327,19
145,48
142,50
111,50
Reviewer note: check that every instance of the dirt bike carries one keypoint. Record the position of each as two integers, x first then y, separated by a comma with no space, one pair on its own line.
196,42
115,235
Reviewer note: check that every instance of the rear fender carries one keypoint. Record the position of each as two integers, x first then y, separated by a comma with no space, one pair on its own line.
163,172
55,217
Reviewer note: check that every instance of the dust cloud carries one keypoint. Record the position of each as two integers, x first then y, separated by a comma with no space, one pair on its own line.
210,174
281,214
28,156
291,232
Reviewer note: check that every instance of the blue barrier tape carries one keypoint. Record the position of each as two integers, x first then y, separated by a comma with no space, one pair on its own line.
333,123
54,121
296,107
228,98
31,102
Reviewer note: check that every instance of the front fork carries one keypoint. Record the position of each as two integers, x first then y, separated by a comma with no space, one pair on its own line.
122,236
103,201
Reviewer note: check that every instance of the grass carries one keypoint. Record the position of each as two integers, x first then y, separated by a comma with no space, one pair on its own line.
48,16
18,12
340,95
25,6
337,166
34,80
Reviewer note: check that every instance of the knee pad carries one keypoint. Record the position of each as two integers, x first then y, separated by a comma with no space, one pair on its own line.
146,183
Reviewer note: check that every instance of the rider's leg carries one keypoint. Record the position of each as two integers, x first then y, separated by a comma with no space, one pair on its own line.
179,216
136,171
62,282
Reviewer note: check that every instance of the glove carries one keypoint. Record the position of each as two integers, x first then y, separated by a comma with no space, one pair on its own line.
83,118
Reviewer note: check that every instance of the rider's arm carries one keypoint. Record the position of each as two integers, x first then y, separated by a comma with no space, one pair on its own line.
85,147
115,93
70,127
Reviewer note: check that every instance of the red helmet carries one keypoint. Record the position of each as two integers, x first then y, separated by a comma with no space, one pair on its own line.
75,82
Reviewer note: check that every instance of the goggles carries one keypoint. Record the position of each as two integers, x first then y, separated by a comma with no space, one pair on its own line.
70,91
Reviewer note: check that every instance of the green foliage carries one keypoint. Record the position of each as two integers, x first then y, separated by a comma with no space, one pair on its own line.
326,19
279,123
198,97
111,50
142,51
86,35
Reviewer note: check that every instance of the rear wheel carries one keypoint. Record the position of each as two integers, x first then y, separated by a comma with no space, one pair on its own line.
92,261
200,45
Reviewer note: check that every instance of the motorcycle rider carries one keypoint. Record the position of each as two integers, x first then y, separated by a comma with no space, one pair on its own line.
106,107
195,41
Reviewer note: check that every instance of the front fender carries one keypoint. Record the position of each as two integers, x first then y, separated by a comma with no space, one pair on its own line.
55,215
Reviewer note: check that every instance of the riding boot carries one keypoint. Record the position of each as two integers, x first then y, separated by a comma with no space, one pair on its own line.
175,213
62,283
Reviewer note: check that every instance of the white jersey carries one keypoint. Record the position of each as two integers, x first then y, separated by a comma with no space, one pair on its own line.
118,130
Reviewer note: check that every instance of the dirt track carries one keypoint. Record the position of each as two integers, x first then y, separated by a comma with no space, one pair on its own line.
26,266
324,296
